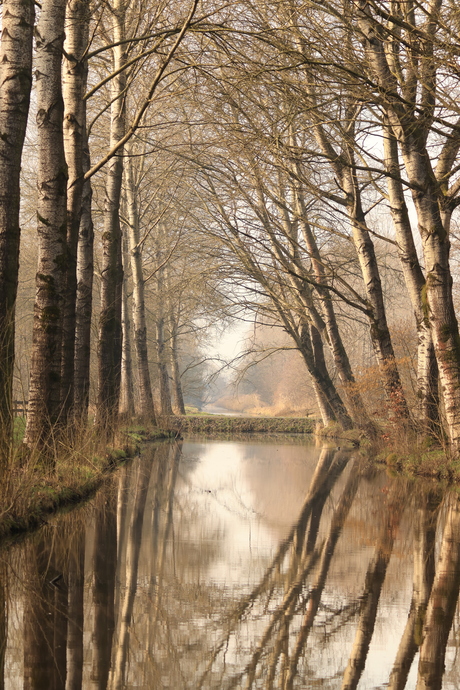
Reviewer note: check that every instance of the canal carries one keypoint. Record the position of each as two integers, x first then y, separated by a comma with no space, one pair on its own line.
263,563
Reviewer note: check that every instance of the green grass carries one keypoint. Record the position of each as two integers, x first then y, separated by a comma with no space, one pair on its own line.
225,424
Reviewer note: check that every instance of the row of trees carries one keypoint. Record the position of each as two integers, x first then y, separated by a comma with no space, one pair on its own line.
280,140
336,116
86,58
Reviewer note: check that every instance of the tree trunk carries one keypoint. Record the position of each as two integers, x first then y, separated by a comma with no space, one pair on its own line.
126,384
84,303
175,370
74,79
45,402
334,339
411,131
4,605
427,370
344,168
163,375
110,334
379,331
15,85
355,404
318,371
139,321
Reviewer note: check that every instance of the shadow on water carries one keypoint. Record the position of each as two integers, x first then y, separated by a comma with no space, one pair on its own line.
220,565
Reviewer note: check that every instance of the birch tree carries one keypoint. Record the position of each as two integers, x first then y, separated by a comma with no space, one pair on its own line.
45,377
411,119
15,85
139,318
109,340
110,334
74,79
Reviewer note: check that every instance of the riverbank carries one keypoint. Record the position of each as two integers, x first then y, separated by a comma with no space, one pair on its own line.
29,495
218,424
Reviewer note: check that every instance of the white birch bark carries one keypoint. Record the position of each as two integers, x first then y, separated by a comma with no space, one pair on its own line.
344,168
45,376
427,371
74,79
411,132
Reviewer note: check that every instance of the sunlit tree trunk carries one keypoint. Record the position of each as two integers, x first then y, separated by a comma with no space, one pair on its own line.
74,79
427,370
334,338
354,401
139,321
45,403
110,334
410,124
344,167
163,375
379,331
15,85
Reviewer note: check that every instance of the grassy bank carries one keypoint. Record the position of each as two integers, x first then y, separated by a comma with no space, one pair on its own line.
30,492
222,424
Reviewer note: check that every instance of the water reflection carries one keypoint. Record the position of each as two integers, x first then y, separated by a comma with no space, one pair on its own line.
238,565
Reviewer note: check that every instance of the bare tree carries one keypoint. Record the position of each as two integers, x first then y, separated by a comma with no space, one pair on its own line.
15,85
45,403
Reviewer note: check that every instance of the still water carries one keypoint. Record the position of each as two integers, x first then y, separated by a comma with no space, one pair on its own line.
263,564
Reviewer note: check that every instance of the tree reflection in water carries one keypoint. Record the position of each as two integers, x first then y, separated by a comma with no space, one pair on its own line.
124,593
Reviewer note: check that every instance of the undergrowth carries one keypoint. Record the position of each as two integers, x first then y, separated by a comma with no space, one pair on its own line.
33,486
